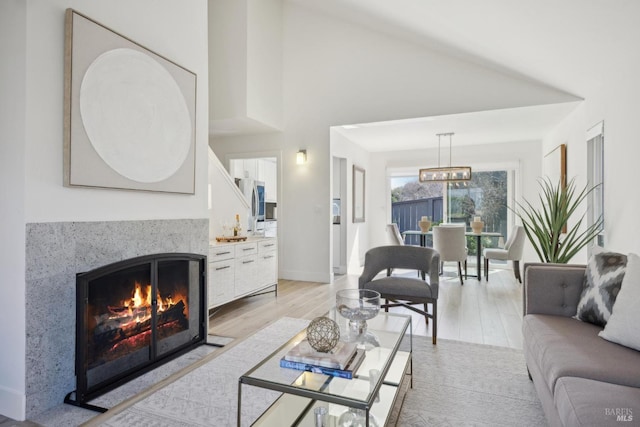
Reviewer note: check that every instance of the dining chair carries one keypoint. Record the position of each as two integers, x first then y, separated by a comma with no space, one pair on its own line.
451,243
394,234
402,290
512,251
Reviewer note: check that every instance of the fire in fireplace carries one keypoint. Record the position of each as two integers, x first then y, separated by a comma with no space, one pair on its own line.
135,314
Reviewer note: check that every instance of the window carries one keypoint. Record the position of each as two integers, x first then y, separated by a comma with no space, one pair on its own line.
595,175
485,195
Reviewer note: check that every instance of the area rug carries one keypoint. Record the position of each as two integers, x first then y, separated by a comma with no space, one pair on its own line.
455,383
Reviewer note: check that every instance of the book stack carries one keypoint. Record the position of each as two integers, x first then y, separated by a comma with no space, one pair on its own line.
341,362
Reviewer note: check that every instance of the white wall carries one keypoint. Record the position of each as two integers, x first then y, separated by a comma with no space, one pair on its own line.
228,67
32,105
225,200
13,76
339,73
246,68
522,156
178,32
357,234
264,62
615,101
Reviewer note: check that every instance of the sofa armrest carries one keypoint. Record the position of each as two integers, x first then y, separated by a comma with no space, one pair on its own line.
552,288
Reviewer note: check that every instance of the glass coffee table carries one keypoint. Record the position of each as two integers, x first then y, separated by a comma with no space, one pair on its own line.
374,395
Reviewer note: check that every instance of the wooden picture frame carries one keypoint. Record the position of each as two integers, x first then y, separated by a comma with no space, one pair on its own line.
358,193
129,113
555,165
555,168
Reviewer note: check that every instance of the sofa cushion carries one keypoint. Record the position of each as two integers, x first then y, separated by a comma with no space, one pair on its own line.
622,327
584,402
566,347
602,281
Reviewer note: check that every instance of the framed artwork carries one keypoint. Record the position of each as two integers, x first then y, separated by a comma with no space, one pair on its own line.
555,168
358,194
129,113
555,165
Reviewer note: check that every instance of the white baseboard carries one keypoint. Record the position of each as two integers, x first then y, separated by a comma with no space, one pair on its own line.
305,276
12,404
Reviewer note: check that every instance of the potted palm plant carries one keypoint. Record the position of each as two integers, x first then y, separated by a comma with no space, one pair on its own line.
548,227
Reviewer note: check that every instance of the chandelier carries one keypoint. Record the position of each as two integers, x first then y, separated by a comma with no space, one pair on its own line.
445,174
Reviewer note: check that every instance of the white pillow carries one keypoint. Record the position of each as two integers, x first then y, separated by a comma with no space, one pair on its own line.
622,327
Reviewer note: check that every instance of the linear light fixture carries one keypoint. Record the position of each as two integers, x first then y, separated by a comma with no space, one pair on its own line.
446,174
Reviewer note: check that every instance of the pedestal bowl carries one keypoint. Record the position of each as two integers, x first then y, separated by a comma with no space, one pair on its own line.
358,306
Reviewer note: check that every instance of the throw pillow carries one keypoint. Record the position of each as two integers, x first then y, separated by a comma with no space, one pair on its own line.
602,281
622,327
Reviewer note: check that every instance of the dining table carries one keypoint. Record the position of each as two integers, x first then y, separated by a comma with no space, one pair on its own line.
478,236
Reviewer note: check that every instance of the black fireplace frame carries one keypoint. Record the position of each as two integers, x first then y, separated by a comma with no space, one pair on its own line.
84,392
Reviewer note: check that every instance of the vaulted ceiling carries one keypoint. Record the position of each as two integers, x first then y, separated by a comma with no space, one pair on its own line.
569,45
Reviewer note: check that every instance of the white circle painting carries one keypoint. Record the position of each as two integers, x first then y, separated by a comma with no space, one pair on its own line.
135,115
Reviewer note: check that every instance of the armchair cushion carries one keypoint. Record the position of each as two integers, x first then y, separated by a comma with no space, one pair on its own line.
603,278
403,287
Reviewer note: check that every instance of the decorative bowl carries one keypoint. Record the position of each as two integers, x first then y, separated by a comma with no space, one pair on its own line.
358,305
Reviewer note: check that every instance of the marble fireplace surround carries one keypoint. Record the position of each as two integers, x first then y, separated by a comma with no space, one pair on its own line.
55,252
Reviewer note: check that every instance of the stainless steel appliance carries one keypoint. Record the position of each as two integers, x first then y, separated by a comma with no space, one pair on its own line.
254,193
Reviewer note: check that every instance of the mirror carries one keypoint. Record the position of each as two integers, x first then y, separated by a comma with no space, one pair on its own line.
358,194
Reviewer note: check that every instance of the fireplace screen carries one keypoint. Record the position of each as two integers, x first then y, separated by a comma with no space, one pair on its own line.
135,314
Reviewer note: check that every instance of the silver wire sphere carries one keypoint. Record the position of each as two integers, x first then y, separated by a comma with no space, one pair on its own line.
323,334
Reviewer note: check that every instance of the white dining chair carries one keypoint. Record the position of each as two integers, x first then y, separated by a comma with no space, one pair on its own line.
512,251
394,234
451,244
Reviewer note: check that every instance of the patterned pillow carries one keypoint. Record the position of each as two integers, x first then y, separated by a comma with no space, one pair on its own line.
602,281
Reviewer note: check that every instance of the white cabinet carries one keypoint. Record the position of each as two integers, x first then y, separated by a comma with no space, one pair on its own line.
267,262
242,168
221,274
246,268
241,269
265,170
270,178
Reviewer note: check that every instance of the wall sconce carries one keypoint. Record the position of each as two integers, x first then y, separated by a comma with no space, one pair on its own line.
301,157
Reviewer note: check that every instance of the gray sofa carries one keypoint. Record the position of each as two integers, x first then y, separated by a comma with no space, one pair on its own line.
581,378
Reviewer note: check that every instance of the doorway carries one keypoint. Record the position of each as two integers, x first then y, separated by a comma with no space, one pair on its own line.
338,216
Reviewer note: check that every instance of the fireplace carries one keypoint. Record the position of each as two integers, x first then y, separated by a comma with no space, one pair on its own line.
135,314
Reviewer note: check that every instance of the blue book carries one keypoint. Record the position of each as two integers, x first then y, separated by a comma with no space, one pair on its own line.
335,372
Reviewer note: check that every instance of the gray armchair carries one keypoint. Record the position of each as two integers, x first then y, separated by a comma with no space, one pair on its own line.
403,290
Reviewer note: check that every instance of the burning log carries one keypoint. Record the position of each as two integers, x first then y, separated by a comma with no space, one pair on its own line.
111,330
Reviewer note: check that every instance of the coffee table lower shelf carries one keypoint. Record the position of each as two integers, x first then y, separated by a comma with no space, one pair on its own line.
294,410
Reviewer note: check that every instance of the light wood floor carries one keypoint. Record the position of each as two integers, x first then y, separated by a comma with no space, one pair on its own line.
479,312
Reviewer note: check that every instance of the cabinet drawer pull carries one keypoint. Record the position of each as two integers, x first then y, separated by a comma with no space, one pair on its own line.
223,253
270,244
268,256
247,249
222,268
247,262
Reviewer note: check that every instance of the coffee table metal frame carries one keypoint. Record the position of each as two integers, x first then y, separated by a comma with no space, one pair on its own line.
394,328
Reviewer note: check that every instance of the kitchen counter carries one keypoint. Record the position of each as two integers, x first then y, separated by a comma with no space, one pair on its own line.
250,239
